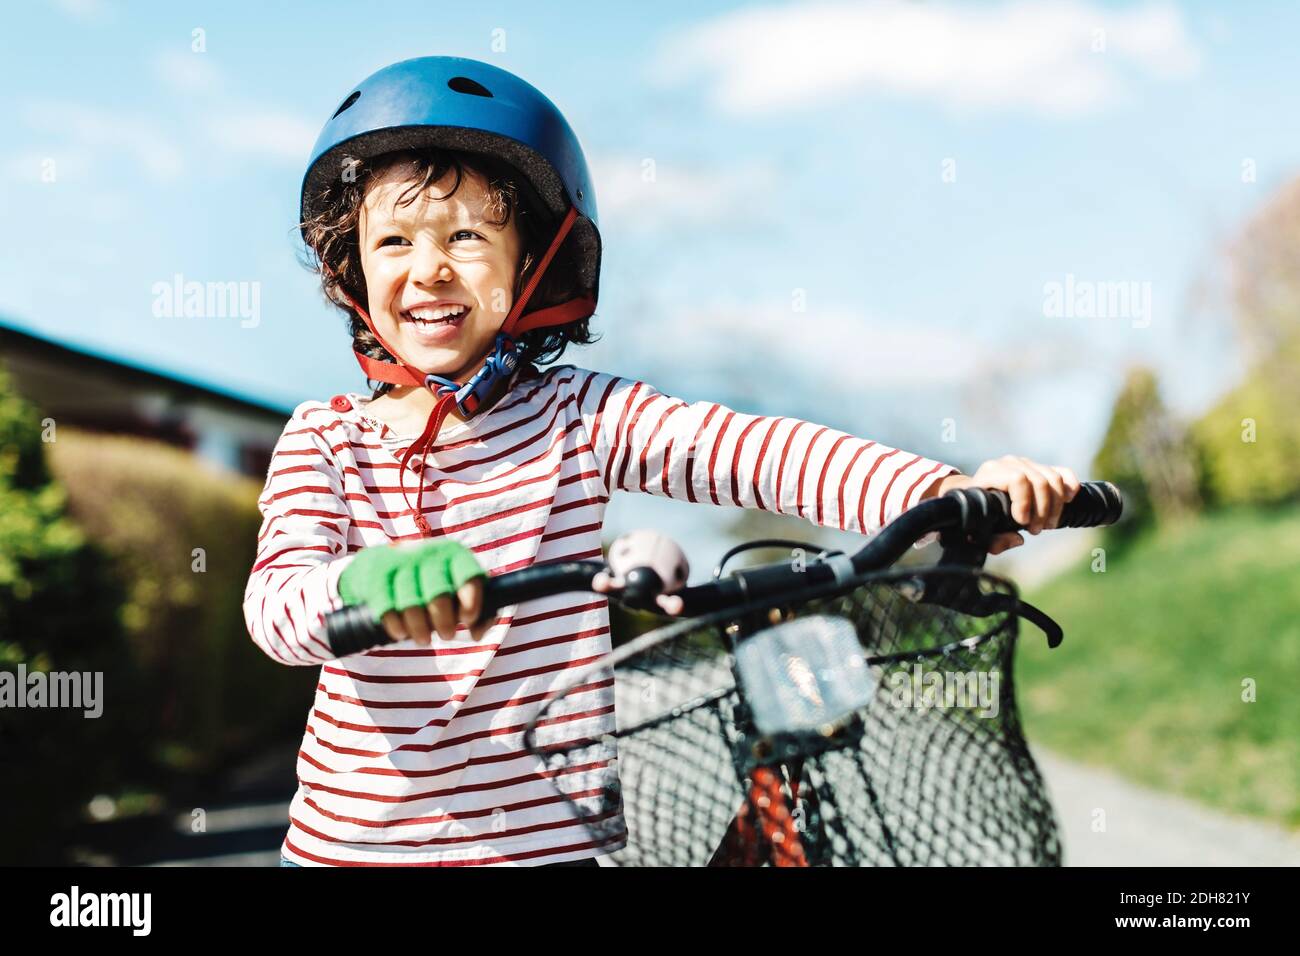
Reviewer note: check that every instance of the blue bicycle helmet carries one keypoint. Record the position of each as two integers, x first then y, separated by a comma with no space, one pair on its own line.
457,103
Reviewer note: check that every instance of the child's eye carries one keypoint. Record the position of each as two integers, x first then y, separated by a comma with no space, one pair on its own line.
466,232
391,239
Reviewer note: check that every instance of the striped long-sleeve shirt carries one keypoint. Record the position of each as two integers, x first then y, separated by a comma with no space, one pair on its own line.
414,755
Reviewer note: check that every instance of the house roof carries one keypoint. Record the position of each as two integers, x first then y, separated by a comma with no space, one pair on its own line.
12,336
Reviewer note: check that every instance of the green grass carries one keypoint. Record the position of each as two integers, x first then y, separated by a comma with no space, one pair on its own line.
1149,680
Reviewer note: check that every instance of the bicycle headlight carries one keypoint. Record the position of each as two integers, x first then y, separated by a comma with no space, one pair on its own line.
804,676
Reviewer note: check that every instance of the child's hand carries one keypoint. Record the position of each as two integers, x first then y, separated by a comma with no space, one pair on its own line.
606,583
1038,493
414,589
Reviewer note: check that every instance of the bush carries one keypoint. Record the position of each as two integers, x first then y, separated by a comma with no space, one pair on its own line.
58,612
182,537
1249,443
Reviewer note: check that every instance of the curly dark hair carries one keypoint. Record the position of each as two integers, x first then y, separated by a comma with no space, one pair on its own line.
334,251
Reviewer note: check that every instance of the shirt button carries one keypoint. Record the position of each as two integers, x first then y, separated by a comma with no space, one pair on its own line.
340,403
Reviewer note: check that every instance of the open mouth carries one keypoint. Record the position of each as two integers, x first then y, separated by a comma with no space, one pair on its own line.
428,318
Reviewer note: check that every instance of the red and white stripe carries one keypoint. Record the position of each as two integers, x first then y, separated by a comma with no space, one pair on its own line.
414,756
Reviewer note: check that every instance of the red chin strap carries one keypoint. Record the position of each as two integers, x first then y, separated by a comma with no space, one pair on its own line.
515,324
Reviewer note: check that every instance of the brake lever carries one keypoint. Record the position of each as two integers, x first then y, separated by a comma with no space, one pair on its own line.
965,544
967,598
1039,617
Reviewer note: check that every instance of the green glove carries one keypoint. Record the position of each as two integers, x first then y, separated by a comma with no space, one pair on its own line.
396,577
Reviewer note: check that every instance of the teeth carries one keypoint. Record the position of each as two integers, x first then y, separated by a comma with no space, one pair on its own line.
439,314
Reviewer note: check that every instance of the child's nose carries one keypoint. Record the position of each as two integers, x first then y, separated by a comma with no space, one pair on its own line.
430,263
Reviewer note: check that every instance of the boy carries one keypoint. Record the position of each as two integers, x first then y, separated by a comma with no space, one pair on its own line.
445,198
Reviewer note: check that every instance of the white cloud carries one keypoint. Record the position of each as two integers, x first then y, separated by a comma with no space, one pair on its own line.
92,129
85,11
187,71
650,193
852,352
107,208
843,349
1037,56
271,134
87,131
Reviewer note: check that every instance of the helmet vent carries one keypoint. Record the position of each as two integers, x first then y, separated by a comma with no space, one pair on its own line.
346,103
463,84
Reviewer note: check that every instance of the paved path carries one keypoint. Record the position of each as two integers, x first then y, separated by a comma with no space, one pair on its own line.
1148,828
1142,827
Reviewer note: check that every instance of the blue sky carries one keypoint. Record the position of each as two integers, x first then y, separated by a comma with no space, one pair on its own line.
918,170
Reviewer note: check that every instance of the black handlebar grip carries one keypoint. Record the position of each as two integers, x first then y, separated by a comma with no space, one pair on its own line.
987,511
351,630
1098,503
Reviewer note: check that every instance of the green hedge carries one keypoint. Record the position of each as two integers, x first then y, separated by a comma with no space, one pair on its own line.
182,537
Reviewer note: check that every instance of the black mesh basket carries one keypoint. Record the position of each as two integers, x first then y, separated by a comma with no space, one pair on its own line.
932,770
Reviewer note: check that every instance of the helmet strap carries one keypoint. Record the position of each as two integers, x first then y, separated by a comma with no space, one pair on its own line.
514,317
396,372
470,396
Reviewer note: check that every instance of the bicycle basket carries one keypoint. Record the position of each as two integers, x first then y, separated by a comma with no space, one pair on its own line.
932,769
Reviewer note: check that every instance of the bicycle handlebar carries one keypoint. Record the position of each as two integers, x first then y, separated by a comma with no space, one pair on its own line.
974,513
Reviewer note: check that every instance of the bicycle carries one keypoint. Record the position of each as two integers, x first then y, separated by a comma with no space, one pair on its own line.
754,730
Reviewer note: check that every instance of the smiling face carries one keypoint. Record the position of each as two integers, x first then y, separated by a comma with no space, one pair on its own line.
440,273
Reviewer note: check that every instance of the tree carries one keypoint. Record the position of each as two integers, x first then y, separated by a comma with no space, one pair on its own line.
1266,286
1249,442
1149,455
